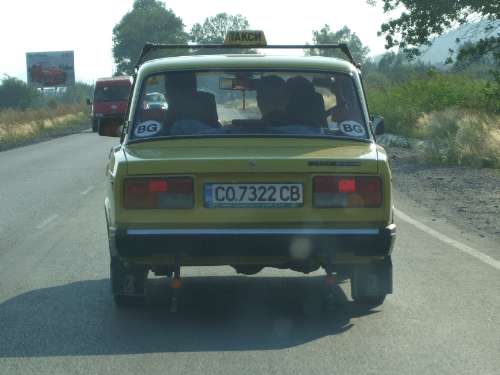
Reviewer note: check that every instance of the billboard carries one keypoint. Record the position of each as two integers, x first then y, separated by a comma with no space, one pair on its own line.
50,69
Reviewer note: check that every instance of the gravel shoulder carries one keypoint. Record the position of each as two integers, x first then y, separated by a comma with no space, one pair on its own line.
468,198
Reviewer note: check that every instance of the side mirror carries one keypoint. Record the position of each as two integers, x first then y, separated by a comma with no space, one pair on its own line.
110,128
89,102
378,125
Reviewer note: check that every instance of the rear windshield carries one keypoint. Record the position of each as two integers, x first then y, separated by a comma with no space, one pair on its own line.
249,103
113,93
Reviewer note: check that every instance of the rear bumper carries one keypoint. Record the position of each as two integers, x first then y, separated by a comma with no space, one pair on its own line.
248,242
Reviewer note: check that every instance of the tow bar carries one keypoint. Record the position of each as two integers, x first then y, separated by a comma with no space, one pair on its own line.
176,285
330,282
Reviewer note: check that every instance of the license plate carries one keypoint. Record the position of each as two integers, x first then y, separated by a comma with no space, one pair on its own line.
254,195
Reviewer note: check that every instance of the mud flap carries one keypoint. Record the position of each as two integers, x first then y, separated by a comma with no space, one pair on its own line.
126,281
373,281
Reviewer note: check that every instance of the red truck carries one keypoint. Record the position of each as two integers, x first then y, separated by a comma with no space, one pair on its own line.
110,100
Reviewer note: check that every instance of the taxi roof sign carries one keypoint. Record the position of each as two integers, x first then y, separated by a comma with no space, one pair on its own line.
254,38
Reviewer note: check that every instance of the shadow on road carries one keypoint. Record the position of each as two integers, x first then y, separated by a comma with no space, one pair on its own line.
216,314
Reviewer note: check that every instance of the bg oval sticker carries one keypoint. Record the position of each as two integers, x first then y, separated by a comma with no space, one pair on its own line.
147,129
353,129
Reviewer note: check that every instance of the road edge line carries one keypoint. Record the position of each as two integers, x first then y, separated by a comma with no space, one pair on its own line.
486,259
90,189
47,221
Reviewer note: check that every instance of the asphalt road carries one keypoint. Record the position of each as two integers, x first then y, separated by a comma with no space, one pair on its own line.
57,317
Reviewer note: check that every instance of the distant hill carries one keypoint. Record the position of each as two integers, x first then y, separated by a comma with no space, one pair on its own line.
438,52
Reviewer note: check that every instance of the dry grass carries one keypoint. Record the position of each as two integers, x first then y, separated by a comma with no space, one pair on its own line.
20,127
461,137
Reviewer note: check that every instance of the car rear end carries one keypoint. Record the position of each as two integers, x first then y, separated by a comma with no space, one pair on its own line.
287,207
251,193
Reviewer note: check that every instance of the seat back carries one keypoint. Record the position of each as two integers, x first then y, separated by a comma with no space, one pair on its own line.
197,105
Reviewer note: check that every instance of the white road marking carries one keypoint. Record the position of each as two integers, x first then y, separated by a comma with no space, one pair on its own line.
47,221
450,241
88,190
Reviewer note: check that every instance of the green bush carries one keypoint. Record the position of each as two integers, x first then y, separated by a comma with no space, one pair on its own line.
16,94
77,93
403,104
460,137
492,92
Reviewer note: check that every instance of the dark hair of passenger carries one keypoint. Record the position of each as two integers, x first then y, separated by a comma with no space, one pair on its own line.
181,82
272,94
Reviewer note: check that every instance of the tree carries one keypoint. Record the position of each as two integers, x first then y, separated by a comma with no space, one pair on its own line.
344,35
214,30
16,94
148,21
77,93
485,51
424,19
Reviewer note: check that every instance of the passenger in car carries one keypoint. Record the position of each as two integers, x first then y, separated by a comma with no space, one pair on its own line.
272,99
306,106
187,103
346,95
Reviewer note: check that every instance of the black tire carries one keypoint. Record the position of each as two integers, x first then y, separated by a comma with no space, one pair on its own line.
371,283
370,302
127,283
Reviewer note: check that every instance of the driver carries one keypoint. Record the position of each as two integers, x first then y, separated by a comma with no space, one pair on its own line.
272,99
186,102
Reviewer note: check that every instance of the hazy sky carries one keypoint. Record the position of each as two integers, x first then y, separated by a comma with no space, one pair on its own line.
85,26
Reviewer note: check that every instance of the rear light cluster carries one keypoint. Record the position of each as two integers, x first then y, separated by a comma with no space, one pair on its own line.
347,191
148,193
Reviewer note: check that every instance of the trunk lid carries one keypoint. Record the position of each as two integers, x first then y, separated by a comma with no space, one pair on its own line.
250,156
229,161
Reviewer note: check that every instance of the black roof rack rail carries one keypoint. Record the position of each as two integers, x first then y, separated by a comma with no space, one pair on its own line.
150,47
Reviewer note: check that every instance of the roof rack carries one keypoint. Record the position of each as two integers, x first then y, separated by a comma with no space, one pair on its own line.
150,47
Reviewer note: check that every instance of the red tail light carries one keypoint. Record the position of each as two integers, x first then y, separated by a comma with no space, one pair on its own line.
347,185
148,193
158,186
347,191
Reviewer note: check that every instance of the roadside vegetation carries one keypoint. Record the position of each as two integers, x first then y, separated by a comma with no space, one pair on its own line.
448,116
27,115
452,117
403,103
460,137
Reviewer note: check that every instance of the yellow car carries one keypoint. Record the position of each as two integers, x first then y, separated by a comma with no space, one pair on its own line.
257,161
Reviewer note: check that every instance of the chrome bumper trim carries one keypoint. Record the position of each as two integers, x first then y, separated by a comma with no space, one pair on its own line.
253,231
